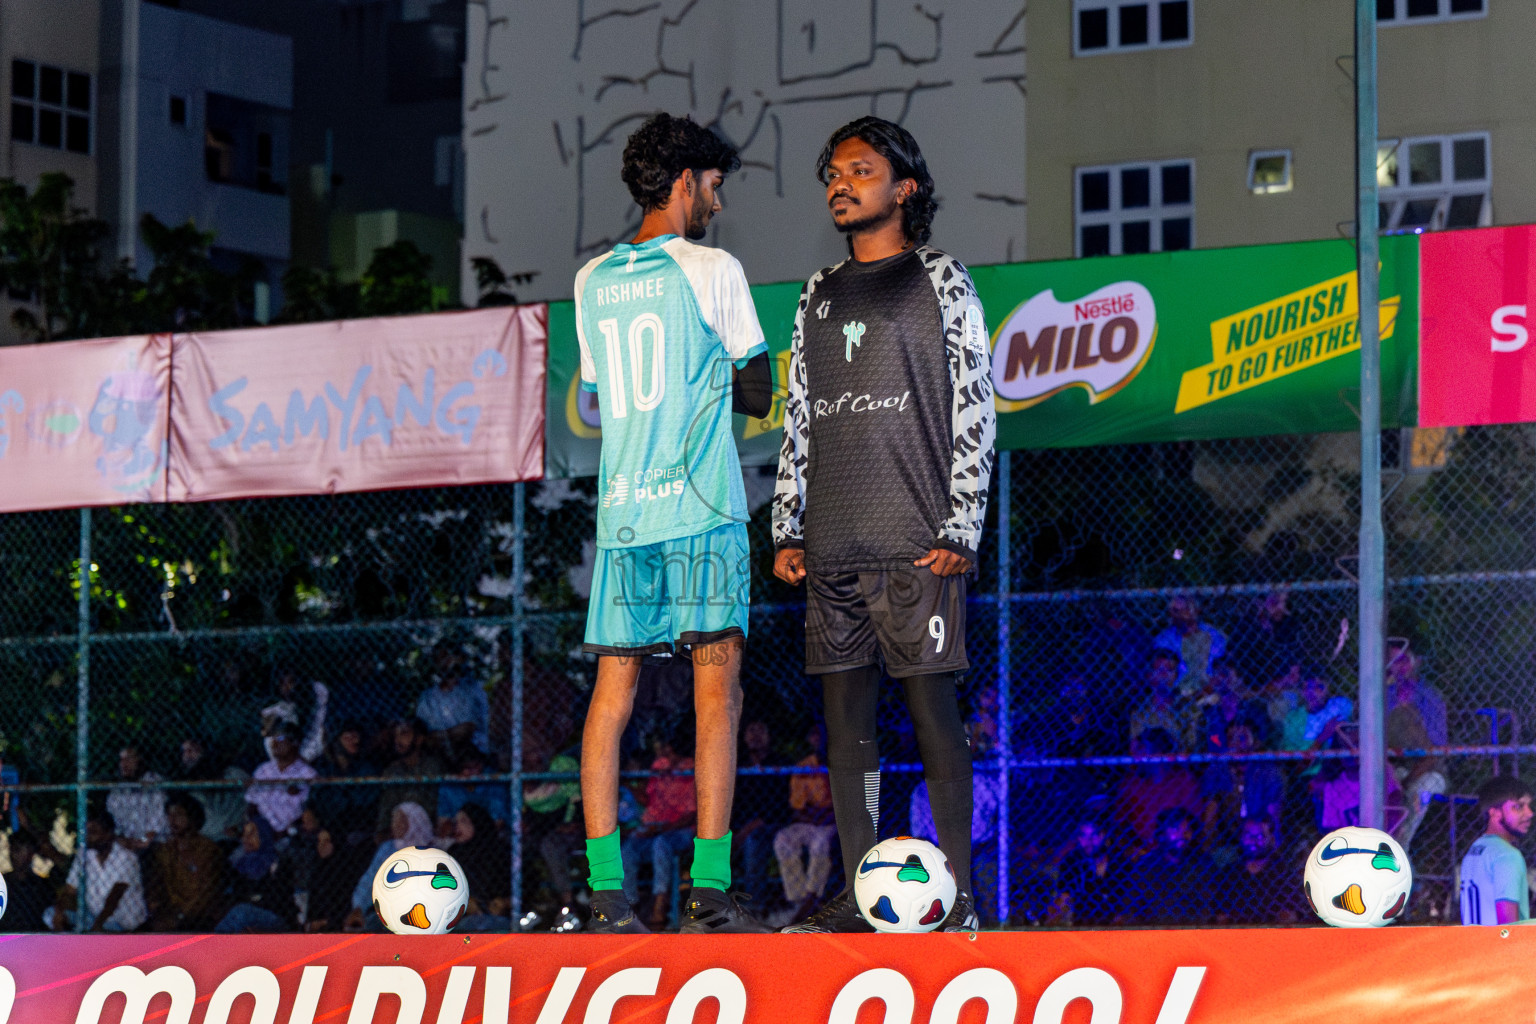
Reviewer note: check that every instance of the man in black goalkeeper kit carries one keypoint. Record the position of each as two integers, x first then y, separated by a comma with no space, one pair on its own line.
882,489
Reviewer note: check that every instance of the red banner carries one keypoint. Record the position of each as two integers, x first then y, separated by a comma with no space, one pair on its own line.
359,405
83,422
1282,976
1477,297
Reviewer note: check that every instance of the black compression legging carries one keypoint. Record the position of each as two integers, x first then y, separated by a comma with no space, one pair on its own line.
853,762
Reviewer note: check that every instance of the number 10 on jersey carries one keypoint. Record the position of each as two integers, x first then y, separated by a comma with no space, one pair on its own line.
645,400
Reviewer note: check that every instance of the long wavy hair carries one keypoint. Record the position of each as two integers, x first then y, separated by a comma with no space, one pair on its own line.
897,145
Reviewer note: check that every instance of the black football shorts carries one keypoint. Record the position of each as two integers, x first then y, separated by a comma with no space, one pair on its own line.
910,619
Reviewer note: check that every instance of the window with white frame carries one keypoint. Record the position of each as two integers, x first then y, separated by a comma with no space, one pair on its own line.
50,106
1109,26
1140,207
1434,182
1414,12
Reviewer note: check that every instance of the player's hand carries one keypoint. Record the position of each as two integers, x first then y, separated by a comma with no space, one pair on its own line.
789,565
943,562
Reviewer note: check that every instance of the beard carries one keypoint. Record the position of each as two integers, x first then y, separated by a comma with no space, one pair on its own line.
859,219
699,215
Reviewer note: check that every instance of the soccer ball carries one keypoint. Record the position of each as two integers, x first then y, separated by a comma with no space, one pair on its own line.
419,890
1358,878
904,885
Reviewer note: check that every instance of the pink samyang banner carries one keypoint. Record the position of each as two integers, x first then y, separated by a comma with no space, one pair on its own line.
1477,360
84,422
359,405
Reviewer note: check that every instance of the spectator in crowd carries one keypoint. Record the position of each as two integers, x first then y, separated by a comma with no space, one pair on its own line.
114,886
1313,724
1495,888
1336,790
410,759
187,883
804,846
1270,639
1405,668
1171,884
986,805
1229,699
223,809
666,829
28,894
1082,723
409,825
364,696
1116,647
487,862
759,811
139,810
491,796
347,811
454,708
293,704
261,889
1159,709
1196,644
1236,792
1090,887
1152,788
1419,777
562,835
332,870
1260,888
277,791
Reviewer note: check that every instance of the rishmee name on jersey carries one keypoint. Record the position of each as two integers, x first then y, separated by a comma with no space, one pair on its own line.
645,288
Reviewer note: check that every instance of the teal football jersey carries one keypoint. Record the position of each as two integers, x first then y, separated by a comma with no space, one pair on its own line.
1492,870
660,325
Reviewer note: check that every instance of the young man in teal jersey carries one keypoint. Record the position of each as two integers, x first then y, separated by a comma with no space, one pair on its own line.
1494,887
659,320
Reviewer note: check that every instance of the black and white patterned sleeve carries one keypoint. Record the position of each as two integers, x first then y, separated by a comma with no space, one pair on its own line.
789,489
973,418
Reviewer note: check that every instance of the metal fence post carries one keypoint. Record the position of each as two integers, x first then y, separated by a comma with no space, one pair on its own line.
515,769
82,711
1372,542
1004,672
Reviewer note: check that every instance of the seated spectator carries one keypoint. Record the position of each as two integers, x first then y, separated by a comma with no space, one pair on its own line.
114,886
1159,709
1229,699
1311,726
278,792
1336,792
454,708
987,802
811,831
261,890
187,883
1270,639
760,808
223,809
29,895
1235,792
410,759
348,811
1260,888
1405,667
409,825
292,704
552,820
1090,888
491,796
139,811
1171,884
332,869
487,862
1195,643
1152,788
665,832
1419,777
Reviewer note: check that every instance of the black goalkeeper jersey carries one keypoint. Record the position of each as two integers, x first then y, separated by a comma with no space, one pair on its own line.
888,424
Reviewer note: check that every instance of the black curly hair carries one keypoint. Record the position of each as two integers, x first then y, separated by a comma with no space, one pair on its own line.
897,145
666,146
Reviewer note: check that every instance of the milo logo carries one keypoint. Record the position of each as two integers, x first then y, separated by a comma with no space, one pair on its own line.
1099,343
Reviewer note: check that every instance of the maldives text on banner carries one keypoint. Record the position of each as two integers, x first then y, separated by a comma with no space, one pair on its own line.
84,422
359,405
1392,975
1476,363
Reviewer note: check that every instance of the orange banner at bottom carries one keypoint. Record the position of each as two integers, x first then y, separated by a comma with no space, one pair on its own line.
1285,976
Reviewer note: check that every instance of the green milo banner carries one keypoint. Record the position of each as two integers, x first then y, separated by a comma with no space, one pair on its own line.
1120,350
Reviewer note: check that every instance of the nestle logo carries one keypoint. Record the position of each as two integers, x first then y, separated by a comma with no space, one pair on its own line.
1097,309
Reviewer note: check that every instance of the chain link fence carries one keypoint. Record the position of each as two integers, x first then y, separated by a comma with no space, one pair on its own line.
1161,697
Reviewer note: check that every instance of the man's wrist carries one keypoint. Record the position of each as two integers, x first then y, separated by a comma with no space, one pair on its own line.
945,544
792,544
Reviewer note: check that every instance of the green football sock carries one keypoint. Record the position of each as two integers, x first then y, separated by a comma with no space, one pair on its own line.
606,860
712,862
